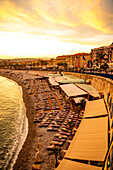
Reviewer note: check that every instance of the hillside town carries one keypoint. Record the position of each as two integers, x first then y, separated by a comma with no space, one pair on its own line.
100,59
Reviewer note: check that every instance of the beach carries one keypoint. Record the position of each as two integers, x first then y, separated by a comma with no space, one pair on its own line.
35,135
56,115
26,155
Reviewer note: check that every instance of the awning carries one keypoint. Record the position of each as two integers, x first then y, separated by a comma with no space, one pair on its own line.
90,141
54,75
95,108
59,78
71,90
72,165
66,79
90,89
52,81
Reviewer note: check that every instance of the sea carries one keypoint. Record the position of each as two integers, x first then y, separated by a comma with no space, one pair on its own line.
13,122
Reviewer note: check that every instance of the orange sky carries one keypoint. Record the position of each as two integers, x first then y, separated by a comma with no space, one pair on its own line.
48,28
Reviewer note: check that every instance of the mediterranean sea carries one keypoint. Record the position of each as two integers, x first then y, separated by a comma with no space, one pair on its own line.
13,122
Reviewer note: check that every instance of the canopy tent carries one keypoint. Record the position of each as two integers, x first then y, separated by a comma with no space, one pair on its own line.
59,78
66,79
90,141
90,89
71,90
72,165
54,75
52,81
95,108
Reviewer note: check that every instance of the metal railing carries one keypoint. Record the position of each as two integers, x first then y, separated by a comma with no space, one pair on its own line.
108,162
110,76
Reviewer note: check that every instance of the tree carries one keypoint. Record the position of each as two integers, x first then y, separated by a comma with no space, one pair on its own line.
104,67
65,65
89,63
60,64
100,57
43,62
56,151
33,65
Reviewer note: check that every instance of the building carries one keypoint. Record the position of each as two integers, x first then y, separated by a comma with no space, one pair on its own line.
108,50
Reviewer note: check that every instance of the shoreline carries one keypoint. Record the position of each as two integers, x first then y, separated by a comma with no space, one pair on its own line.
26,154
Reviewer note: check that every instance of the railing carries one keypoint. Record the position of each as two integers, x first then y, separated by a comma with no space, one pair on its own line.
110,76
108,158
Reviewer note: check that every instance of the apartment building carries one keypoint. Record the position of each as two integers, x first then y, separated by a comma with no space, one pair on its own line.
78,60
108,50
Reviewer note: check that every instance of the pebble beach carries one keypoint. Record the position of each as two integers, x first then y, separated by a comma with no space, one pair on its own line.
38,139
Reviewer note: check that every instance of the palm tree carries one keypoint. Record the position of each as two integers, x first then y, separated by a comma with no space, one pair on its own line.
104,67
100,57
89,64
56,151
65,65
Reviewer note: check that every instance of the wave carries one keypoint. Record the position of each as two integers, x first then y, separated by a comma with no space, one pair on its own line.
20,133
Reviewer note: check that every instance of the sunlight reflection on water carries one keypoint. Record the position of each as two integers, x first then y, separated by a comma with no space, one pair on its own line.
13,122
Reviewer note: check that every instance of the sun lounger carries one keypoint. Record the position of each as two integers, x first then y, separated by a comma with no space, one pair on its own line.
52,129
60,143
64,137
53,142
43,125
62,140
64,133
51,147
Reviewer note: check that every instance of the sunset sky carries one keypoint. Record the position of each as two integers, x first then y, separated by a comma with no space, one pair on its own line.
48,28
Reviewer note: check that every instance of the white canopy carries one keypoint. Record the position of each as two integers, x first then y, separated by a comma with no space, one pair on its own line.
72,165
52,81
90,141
95,108
71,90
59,78
90,89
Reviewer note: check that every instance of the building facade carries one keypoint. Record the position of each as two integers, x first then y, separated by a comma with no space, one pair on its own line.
107,50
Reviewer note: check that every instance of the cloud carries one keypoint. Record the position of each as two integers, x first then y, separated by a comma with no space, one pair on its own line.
72,21
60,14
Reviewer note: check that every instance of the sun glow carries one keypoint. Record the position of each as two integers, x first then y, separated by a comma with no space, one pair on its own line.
19,44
